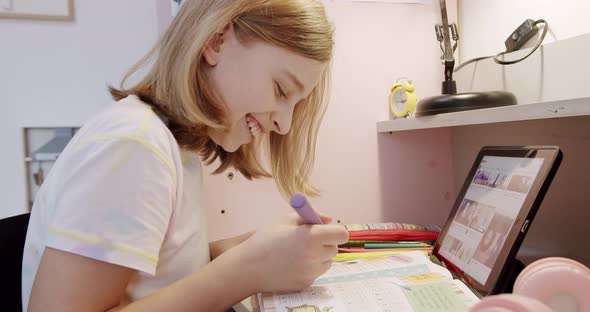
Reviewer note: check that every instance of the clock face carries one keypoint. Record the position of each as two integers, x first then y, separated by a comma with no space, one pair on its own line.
399,100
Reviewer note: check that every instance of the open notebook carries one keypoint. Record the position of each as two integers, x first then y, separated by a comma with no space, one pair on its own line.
377,282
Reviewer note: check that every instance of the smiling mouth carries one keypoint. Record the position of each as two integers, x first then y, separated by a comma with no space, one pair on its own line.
254,126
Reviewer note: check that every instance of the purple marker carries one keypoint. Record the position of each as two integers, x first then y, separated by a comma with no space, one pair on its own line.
303,208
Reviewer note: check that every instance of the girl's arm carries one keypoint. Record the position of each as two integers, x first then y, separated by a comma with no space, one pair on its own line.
68,282
218,247
282,257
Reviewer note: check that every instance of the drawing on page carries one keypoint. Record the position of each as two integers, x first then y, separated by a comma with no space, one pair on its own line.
309,308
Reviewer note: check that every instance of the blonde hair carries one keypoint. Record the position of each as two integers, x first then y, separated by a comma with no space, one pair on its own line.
178,88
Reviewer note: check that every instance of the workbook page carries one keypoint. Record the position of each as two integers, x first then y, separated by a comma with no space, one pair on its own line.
403,282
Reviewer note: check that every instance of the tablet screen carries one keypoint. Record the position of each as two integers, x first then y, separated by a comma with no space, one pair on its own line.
487,213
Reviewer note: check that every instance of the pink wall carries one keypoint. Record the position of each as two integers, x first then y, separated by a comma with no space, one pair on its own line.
164,11
364,176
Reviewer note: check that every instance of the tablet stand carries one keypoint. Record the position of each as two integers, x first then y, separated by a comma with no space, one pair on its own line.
506,284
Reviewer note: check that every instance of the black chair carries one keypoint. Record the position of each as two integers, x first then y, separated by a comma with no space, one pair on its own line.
13,232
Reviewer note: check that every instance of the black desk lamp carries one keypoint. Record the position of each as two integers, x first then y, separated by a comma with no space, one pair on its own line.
450,100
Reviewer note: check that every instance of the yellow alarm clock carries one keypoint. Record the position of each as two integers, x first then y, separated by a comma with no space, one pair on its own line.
402,100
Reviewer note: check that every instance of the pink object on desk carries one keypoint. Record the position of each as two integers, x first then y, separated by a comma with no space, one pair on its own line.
548,285
561,283
510,303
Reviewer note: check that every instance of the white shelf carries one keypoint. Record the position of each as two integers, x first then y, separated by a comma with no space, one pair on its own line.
544,110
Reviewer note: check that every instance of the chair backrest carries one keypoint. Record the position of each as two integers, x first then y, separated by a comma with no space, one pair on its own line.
13,232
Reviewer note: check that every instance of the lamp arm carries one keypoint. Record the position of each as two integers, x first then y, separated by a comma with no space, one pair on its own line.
449,86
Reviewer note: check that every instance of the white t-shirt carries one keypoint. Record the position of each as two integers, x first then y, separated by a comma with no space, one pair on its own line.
123,192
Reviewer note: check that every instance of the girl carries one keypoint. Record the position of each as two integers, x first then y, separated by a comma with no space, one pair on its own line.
119,223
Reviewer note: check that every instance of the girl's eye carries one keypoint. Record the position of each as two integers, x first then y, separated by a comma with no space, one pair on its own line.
280,91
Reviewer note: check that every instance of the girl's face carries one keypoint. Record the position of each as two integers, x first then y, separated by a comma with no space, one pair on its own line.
260,84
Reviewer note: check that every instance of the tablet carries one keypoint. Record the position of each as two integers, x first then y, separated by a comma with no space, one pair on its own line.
493,211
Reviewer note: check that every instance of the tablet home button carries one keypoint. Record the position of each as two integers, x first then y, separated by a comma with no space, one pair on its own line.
524,226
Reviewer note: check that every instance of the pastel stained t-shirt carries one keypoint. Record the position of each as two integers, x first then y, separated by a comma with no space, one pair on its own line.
122,192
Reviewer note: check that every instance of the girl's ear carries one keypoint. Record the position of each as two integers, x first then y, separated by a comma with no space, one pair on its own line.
213,49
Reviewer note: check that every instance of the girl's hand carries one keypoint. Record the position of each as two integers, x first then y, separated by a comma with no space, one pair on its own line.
290,255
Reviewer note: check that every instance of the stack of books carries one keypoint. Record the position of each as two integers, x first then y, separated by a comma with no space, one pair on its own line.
389,237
